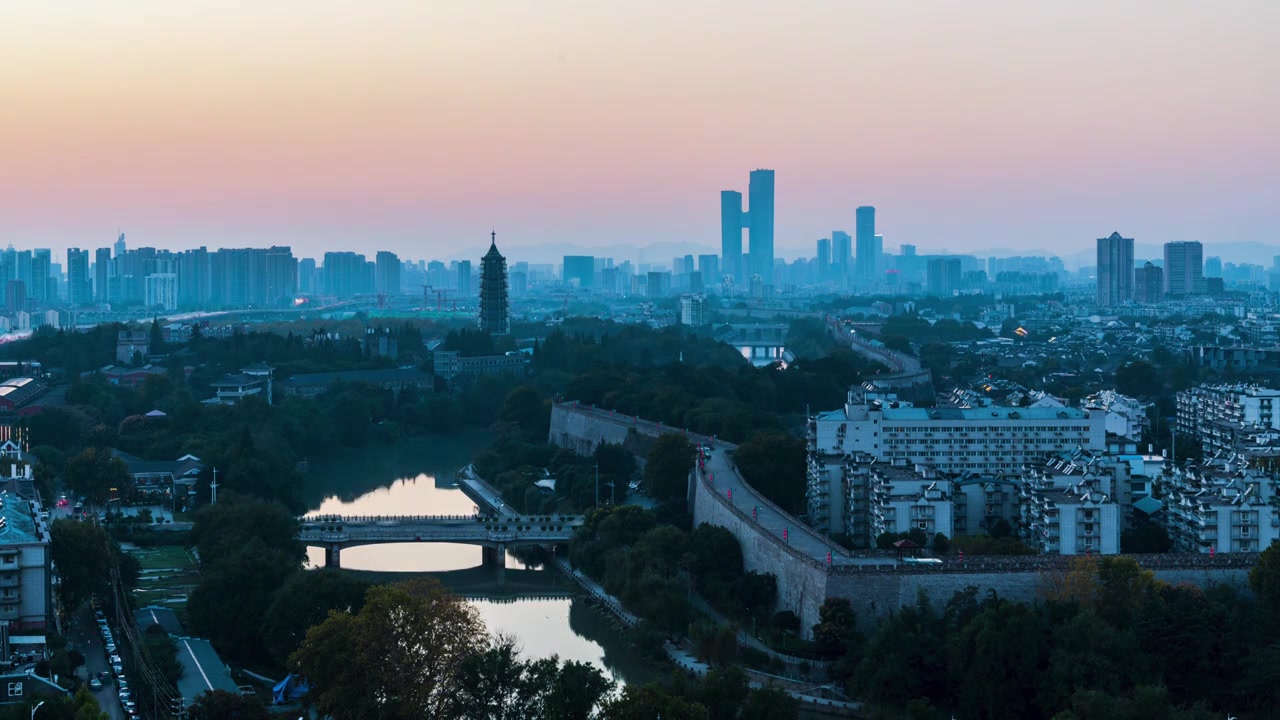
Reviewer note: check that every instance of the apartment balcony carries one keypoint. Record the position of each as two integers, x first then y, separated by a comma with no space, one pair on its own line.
10,580
9,612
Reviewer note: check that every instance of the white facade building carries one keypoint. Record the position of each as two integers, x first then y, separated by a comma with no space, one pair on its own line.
1220,505
162,291
1228,417
1126,416
693,310
992,438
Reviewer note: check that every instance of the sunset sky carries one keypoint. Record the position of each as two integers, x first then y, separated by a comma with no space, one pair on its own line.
416,126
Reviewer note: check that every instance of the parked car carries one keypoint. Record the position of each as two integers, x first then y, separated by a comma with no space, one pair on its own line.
95,684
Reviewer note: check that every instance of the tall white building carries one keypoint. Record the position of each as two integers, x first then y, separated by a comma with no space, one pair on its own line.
162,291
693,310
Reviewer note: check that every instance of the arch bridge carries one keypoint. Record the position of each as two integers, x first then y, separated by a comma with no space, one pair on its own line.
494,533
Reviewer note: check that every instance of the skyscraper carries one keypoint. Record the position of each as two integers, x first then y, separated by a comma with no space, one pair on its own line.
824,259
760,224
865,236
120,247
1213,267
1115,270
494,316
943,275
732,220
102,275
79,286
39,289
388,272
1184,268
464,279
709,266
841,254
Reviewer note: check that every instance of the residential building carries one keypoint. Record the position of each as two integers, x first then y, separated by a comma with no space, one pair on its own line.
709,268
1184,268
495,314
79,282
1148,284
1125,416
26,601
1235,418
943,275
41,285
693,310
1076,518
15,296
130,377
162,291
841,254
1115,270
867,262
388,273
1220,505
465,289
102,273
344,274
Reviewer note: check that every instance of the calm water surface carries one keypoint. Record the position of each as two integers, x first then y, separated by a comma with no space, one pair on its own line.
416,478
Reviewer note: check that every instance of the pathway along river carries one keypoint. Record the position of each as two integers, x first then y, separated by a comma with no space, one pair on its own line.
536,605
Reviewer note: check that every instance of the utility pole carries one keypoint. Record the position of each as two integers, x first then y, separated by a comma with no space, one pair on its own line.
597,484
213,488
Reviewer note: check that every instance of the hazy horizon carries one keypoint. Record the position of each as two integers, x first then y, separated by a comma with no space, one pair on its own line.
416,127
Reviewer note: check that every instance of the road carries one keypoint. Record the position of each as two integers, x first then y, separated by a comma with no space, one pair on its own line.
83,635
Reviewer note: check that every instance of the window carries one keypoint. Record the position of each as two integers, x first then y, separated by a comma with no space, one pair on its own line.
15,689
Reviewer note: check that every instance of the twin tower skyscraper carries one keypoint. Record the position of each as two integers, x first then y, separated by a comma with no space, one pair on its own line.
757,220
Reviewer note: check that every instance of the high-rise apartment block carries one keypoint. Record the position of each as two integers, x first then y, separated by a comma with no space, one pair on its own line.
1115,270
388,273
1230,418
495,316
693,310
841,254
580,271
465,288
79,283
1184,268
1148,284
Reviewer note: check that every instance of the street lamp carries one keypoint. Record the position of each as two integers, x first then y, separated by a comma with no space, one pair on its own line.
34,709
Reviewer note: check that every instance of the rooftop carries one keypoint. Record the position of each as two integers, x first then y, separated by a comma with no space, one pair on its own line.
203,670
994,412
17,526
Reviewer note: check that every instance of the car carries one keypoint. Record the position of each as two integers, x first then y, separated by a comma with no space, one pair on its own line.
95,684
115,658
105,675
111,648
117,668
100,617
125,697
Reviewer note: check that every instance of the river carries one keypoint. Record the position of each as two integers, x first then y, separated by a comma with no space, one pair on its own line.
536,605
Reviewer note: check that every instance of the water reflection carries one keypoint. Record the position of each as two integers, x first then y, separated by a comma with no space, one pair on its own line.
534,603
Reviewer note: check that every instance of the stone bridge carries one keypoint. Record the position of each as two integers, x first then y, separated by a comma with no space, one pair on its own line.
492,532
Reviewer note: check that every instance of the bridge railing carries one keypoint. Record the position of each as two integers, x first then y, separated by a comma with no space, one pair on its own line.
408,519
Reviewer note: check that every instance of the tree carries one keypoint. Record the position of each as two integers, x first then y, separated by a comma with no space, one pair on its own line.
1264,579
529,412
836,632
82,553
666,472
304,600
647,702
398,658
95,474
235,591
220,530
1139,379
223,705
770,703
774,464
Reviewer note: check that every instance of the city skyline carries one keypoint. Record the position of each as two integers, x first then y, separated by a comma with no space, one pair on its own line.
198,124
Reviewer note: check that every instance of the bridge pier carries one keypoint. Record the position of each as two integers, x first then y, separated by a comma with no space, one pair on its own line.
333,556
496,557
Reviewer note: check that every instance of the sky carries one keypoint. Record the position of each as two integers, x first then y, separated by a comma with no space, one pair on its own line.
418,127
